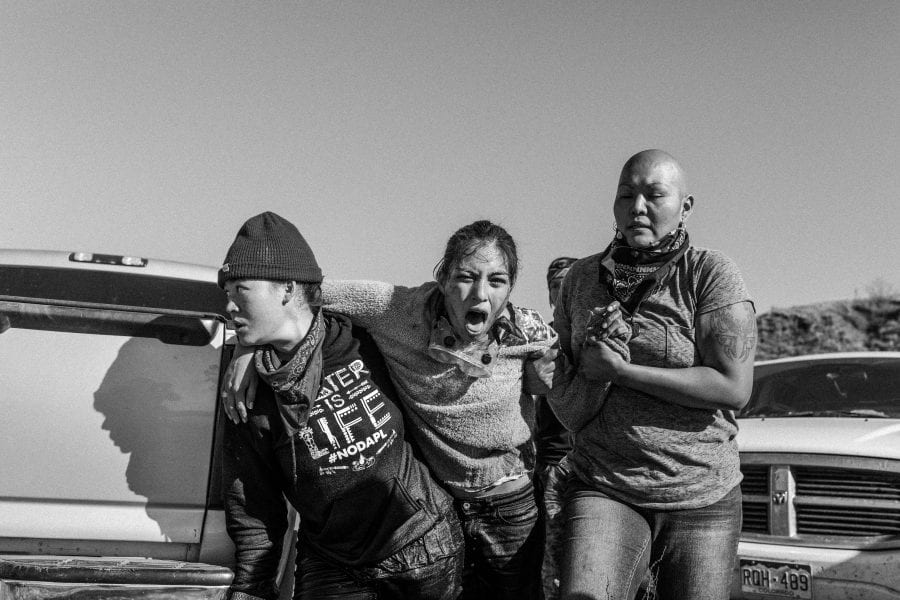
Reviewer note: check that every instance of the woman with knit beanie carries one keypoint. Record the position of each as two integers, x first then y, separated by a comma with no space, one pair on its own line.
465,364
654,466
323,434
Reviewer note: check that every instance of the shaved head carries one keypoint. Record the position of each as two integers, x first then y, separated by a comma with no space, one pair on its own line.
646,161
652,201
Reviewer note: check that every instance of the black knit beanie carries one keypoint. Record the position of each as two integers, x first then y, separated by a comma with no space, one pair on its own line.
270,247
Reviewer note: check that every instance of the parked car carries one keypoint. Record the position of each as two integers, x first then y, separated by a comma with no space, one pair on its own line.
110,431
820,454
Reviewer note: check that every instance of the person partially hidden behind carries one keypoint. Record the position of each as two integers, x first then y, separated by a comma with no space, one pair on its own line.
655,468
551,441
373,524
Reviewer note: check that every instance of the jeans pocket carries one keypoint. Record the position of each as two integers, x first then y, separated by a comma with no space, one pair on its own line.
442,541
519,510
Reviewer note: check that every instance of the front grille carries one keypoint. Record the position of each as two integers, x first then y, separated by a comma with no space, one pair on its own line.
831,501
756,479
847,483
756,518
856,522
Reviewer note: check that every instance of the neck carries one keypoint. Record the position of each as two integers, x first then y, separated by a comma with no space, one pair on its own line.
297,330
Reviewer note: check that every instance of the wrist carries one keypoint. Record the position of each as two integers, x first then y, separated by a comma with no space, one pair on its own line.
619,373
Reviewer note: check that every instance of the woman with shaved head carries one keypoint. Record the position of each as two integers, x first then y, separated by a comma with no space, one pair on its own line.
655,477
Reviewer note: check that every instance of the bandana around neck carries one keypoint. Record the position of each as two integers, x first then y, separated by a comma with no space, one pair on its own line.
286,379
632,274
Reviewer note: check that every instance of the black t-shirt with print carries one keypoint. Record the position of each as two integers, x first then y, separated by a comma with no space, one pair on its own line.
360,493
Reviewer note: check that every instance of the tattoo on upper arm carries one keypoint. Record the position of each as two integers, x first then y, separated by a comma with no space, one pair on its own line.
735,331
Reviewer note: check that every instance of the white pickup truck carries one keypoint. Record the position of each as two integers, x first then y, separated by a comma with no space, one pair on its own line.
109,440
820,453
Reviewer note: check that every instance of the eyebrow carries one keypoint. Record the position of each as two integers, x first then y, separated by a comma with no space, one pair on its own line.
459,269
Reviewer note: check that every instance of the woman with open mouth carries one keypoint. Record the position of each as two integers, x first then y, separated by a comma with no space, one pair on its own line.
465,362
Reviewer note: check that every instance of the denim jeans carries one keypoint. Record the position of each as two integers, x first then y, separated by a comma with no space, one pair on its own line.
504,544
551,486
609,546
429,568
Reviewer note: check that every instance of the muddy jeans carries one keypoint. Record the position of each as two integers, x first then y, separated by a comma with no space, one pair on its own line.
504,543
429,568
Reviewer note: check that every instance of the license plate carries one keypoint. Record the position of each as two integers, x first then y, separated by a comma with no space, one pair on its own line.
781,580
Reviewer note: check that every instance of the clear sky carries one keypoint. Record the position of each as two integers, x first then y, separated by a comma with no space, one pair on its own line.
379,128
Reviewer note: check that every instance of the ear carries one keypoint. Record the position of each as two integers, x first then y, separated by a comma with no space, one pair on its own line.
289,288
440,276
687,207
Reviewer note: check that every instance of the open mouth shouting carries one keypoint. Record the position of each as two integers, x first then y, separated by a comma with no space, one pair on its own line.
477,321
476,292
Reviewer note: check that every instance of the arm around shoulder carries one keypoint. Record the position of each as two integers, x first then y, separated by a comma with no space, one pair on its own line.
357,298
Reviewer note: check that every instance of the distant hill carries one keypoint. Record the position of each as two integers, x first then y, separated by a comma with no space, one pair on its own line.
842,326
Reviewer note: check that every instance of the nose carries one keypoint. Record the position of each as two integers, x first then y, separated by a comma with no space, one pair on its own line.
231,307
480,290
639,206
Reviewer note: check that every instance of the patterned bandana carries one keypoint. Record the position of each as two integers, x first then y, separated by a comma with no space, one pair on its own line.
633,273
286,379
